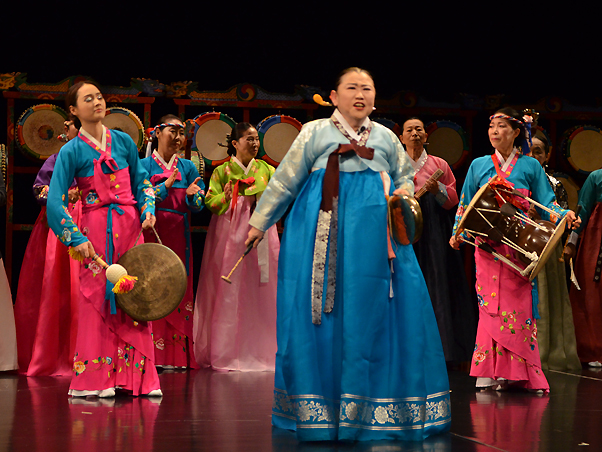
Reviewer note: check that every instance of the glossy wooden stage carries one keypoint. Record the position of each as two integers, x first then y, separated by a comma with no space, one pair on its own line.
220,411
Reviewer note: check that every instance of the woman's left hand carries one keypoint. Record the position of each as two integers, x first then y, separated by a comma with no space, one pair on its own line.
228,191
573,221
73,195
569,252
150,221
532,213
455,241
432,186
193,188
171,179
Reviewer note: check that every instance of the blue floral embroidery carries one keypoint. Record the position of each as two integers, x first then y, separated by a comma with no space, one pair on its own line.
66,237
92,198
199,199
481,300
158,197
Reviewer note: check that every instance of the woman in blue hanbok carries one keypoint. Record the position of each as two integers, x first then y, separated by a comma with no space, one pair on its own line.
506,349
587,302
359,355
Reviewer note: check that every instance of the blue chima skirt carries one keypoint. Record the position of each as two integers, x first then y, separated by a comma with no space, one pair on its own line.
374,368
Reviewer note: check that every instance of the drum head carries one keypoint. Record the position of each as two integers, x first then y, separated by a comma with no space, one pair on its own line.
448,141
547,251
276,134
126,121
38,130
583,148
161,284
470,207
211,136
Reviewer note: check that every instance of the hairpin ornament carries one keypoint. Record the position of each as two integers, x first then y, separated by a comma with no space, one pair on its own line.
318,100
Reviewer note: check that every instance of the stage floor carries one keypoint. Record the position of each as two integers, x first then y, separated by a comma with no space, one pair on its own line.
221,411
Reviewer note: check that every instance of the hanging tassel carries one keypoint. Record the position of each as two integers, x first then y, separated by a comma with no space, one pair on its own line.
535,299
117,275
125,284
75,255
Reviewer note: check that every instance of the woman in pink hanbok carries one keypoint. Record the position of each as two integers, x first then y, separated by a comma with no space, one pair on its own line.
235,324
506,350
112,350
179,189
48,291
441,266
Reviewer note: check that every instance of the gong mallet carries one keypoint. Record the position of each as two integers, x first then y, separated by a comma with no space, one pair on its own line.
118,275
247,251
577,211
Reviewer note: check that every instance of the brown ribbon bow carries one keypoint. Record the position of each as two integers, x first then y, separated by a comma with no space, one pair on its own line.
330,187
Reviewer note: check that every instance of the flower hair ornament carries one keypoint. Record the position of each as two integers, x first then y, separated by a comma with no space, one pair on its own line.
530,117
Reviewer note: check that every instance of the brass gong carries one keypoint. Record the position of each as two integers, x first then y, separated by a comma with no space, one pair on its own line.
161,284
405,219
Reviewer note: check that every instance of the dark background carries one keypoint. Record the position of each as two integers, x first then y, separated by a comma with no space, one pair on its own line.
525,50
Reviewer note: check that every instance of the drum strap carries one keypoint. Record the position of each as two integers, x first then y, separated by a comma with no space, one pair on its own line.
508,171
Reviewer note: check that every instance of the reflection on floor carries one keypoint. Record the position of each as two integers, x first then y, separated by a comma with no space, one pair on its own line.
221,411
